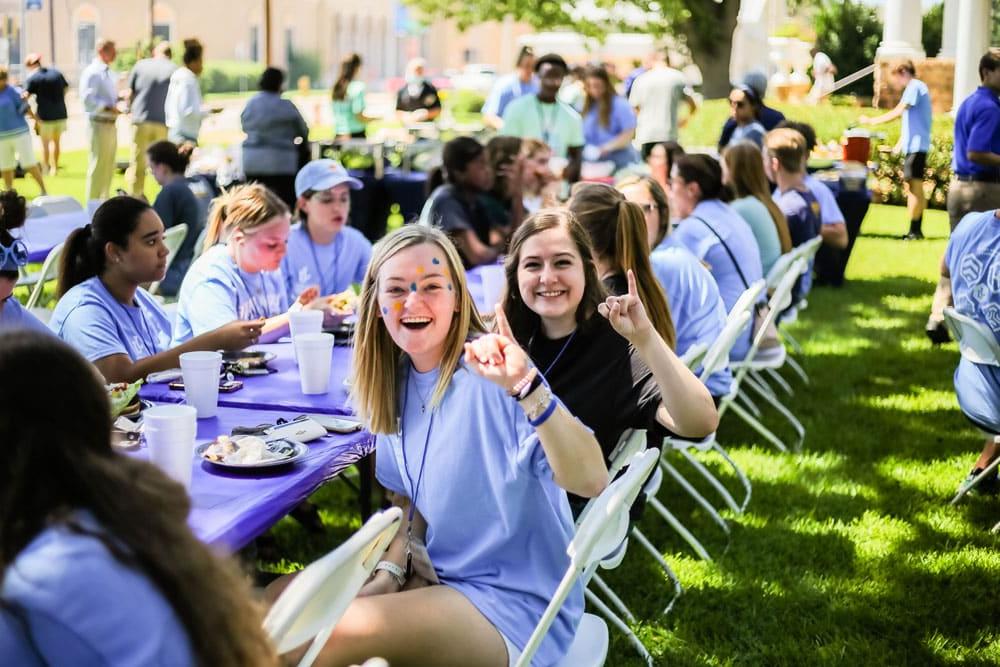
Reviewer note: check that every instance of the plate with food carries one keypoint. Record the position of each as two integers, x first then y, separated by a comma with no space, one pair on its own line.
248,359
124,399
250,451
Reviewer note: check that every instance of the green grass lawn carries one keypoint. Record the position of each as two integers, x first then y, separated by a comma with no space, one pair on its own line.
848,553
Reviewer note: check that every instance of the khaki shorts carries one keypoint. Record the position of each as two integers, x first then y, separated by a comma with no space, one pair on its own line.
968,196
17,148
50,129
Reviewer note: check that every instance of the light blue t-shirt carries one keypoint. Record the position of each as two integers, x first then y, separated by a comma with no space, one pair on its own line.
916,134
332,267
98,325
216,292
557,124
761,223
829,209
497,524
973,259
13,316
694,234
506,90
622,118
76,604
695,305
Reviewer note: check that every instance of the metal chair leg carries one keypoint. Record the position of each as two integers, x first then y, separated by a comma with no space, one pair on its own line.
780,407
749,404
986,471
757,426
788,338
723,492
794,365
680,528
780,381
644,542
693,492
620,624
613,597
739,473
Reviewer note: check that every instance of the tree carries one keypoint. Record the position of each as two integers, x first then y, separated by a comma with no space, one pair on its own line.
705,27
849,33
933,29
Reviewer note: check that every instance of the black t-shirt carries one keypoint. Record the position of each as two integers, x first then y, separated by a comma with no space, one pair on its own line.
454,213
601,380
49,88
427,99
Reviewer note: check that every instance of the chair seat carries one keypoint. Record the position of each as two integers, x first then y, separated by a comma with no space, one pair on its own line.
766,357
590,644
702,445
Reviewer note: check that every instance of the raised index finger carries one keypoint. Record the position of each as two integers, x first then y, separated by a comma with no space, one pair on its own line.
632,289
503,326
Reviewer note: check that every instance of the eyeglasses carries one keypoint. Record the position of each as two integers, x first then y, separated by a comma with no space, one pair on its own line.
13,256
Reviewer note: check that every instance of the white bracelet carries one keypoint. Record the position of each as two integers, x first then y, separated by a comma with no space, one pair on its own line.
395,571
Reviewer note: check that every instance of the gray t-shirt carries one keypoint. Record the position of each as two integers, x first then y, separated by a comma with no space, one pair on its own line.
149,81
657,93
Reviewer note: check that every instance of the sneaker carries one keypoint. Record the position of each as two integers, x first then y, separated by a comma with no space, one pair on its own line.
937,331
914,236
987,487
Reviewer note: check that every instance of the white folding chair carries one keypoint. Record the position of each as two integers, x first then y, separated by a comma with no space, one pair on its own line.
53,204
309,608
601,533
977,344
50,270
173,238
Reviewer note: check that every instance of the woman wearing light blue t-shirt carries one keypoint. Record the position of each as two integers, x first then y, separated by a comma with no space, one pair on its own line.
608,122
478,449
238,276
104,312
98,565
323,250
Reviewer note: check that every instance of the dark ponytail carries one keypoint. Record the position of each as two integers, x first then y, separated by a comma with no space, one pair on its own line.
617,230
83,254
165,152
349,67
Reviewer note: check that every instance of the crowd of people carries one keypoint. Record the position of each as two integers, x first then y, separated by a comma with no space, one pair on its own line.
608,283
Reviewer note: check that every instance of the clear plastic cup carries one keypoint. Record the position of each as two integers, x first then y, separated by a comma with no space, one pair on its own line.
315,354
169,431
201,381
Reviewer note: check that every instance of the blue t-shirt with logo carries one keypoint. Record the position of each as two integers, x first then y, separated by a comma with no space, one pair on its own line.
91,320
916,134
332,267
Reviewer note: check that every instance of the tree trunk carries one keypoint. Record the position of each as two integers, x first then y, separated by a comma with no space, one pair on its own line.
711,50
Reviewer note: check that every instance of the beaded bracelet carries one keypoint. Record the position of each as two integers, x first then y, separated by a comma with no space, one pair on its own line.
517,391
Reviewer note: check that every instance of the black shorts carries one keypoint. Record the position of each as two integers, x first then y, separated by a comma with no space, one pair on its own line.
914,166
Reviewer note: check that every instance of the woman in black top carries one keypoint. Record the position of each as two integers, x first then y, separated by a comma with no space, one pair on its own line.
613,371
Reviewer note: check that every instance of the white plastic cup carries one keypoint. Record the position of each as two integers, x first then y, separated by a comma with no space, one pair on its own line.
201,381
170,432
315,354
305,322
494,280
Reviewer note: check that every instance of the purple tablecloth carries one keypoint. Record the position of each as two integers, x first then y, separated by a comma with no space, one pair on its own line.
44,233
230,509
277,391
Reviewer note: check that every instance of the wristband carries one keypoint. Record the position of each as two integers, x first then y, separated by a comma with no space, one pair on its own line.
395,571
546,414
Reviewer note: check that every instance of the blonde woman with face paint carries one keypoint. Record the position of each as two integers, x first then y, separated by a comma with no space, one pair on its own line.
458,422
238,276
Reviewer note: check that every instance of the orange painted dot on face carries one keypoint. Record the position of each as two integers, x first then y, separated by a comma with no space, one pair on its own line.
420,270
398,306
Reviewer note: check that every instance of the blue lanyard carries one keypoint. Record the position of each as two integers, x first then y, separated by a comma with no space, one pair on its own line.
546,127
336,264
558,356
406,469
148,343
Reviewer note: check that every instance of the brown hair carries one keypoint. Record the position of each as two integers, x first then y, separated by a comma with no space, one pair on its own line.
617,230
905,66
349,67
55,468
747,179
603,104
788,146
989,62
659,200
523,321
243,207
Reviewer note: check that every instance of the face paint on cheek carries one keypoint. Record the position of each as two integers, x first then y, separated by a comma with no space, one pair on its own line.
449,287
385,311
435,260
398,306
420,270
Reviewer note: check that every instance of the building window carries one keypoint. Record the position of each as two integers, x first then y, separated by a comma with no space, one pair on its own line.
86,42
161,32
289,49
255,43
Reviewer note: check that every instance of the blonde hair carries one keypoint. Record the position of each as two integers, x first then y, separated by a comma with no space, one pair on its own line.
243,207
788,146
377,358
747,179
531,147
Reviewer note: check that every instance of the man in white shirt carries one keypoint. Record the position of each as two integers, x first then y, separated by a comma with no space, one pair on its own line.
99,93
183,104
655,96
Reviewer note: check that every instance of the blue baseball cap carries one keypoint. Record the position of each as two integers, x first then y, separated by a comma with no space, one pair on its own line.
323,175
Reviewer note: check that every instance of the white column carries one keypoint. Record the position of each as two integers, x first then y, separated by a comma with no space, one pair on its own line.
901,32
949,30
973,40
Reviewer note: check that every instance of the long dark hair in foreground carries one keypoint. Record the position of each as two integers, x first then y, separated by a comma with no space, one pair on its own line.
54,467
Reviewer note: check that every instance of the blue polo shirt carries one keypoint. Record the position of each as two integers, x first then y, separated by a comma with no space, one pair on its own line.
977,128
12,110
916,118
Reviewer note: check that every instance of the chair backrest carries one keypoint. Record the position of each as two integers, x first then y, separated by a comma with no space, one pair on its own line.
57,204
173,238
780,267
50,271
808,249
694,354
976,341
717,357
749,298
600,532
309,608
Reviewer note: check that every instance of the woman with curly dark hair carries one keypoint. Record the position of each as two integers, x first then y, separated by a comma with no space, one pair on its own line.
97,563
13,255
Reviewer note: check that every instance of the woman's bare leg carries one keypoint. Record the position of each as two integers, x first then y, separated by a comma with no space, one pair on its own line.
435,625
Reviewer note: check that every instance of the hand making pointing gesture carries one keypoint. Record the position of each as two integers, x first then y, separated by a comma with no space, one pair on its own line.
497,357
627,314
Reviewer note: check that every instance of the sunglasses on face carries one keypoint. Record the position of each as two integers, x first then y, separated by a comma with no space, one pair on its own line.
14,256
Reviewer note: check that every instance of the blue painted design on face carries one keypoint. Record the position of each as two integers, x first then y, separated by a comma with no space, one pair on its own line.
413,287
435,260
385,310
449,287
